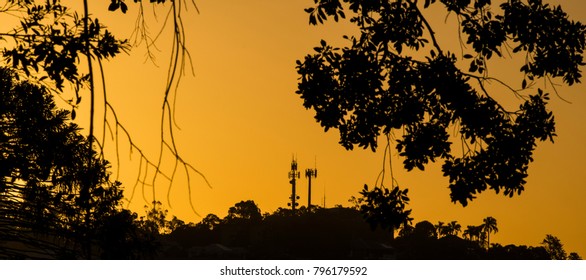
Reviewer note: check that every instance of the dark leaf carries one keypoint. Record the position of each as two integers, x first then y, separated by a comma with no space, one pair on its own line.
113,6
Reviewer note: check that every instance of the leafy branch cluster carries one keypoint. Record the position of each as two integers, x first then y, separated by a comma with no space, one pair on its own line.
375,86
385,208
49,41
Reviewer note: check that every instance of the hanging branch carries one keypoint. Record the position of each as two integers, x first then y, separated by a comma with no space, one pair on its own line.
179,58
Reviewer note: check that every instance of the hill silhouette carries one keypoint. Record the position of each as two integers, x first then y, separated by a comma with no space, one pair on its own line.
332,233
336,233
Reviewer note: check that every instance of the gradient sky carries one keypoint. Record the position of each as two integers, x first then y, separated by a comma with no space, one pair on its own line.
241,122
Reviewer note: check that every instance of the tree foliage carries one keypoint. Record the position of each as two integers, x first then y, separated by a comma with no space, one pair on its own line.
385,208
475,233
210,221
395,76
574,256
452,228
554,247
44,169
50,41
244,211
425,229
489,226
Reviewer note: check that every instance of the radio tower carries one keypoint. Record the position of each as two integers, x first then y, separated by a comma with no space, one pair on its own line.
293,175
309,173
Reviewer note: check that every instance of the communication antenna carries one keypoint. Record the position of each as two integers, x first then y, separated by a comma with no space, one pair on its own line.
324,196
293,175
310,173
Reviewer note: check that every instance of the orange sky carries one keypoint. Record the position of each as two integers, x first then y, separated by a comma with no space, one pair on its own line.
241,122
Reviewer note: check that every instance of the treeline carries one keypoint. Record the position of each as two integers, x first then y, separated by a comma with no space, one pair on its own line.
335,233
443,241
308,233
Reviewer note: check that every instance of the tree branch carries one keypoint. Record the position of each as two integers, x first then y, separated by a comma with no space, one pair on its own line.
427,25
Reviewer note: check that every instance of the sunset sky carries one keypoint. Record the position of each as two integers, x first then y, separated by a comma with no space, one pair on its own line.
241,123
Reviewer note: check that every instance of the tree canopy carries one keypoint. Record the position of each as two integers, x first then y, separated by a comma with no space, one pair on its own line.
554,247
44,169
385,208
396,77
244,210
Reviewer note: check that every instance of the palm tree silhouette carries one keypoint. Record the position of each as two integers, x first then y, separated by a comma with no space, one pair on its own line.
474,233
453,228
467,233
440,229
488,227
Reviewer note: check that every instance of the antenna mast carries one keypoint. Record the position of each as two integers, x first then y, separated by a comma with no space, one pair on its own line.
324,196
293,175
309,173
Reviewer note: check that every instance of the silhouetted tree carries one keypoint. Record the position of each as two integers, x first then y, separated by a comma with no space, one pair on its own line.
406,230
453,228
474,233
425,229
516,252
574,256
176,223
283,212
155,220
244,210
374,86
385,208
239,227
489,226
466,233
210,221
355,202
121,236
554,247
44,165
439,229
424,242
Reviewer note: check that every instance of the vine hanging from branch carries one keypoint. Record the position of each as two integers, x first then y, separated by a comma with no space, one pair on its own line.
50,41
